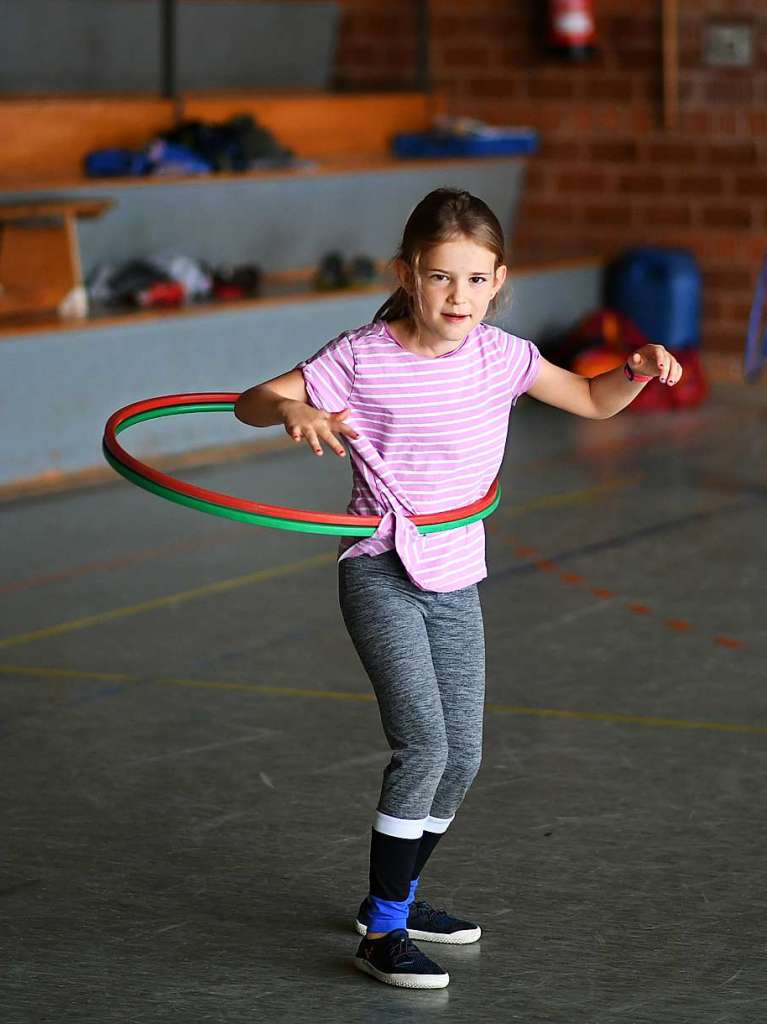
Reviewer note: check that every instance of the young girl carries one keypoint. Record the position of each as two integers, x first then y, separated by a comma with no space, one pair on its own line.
422,397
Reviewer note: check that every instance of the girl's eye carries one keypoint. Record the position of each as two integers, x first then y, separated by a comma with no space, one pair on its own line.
438,277
478,280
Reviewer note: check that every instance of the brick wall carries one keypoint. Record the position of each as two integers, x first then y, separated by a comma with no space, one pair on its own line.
608,174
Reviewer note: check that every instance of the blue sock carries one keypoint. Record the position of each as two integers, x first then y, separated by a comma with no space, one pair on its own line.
386,915
411,894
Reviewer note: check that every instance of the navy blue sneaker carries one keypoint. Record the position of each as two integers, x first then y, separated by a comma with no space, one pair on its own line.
428,925
395,959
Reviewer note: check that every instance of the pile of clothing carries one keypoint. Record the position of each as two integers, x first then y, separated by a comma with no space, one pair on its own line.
169,279
196,147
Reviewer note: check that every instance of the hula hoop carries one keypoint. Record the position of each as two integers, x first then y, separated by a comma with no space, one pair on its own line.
756,345
256,513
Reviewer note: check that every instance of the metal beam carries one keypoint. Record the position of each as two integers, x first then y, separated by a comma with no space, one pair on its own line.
168,52
423,72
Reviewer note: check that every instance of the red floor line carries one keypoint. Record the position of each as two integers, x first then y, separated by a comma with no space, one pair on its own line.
77,571
635,607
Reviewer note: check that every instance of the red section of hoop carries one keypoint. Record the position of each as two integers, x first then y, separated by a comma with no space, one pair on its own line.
241,504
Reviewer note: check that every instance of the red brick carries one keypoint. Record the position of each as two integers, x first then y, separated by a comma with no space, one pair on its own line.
697,185
729,90
739,312
445,26
642,120
581,181
554,213
614,90
359,56
639,60
535,178
493,88
608,214
514,55
664,216
695,122
614,150
641,183
751,185
726,217
723,340
560,149
550,89
672,152
472,58
734,153
726,277
757,122
713,308
627,31
608,118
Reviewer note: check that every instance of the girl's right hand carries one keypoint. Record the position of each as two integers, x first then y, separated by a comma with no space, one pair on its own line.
303,421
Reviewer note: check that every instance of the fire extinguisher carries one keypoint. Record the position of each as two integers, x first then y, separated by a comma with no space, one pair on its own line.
571,29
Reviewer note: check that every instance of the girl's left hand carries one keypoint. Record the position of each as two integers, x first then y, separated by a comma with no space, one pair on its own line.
656,361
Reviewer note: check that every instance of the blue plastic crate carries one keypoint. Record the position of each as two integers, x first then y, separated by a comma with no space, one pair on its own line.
493,142
659,288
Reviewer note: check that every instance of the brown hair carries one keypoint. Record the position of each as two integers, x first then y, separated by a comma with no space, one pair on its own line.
442,216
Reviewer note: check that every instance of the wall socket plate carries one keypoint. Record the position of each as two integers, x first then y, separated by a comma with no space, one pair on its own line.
728,44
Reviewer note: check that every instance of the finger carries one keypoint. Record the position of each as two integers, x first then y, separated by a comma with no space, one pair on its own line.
340,427
295,433
331,439
312,440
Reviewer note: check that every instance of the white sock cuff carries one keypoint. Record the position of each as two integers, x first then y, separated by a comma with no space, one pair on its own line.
401,828
438,825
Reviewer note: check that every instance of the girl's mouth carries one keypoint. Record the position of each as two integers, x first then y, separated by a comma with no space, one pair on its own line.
456,316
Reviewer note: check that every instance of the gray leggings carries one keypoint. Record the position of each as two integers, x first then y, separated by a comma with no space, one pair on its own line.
425,655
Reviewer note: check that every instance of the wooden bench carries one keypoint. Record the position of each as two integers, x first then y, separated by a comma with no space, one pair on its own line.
40,257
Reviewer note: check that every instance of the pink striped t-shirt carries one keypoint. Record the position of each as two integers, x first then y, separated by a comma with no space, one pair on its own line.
432,433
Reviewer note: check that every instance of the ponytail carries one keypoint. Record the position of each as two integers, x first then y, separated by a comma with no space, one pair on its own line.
396,307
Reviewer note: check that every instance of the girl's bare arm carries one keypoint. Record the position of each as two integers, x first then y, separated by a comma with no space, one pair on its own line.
598,398
264,404
285,400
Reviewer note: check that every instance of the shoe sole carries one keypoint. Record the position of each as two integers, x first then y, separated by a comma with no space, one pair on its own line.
455,939
403,980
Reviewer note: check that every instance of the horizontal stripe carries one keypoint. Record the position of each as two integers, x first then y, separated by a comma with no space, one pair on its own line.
432,435
366,384
401,828
437,825
384,433
394,406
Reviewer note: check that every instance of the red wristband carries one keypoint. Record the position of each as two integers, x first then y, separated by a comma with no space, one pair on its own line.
636,378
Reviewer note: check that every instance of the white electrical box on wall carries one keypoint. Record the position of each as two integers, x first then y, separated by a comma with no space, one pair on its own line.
728,44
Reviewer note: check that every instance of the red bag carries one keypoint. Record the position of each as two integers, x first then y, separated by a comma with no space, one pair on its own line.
605,339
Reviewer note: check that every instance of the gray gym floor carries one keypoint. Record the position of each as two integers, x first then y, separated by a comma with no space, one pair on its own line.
191,755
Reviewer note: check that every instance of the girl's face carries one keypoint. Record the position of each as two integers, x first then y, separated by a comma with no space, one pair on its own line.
456,281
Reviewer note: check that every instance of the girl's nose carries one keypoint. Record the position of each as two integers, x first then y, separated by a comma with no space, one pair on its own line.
456,294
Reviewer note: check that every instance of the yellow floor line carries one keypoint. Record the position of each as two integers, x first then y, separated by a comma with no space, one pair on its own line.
572,497
169,599
645,721
276,691
66,673
648,721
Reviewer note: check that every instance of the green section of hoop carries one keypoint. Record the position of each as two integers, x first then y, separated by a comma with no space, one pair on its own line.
253,518
173,410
